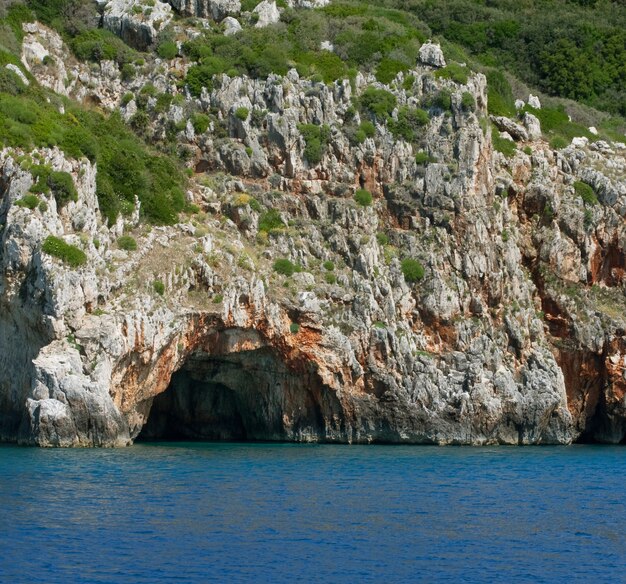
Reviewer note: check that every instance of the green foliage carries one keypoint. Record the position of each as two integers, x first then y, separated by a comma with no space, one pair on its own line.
285,267
126,168
382,238
167,50
29,201
388,69
159,287
409,122
200,123
499,94
443,100
424,158
270,220
70,254
503,145
127,243
294,328
60,183
468,103
570,48
328,265
242,113
556,126
558,142
101,45
368,129
62,186
363,197
412,270
586,193
453,71
330,278
316,141
378,103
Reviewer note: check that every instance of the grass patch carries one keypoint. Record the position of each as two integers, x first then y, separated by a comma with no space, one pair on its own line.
412,270
69,254
363,197
127,243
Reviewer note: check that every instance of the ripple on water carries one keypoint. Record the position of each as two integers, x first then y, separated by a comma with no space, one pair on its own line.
281,513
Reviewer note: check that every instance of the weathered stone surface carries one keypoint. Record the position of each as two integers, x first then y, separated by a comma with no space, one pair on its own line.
136,23
215,9
431,54
267,13
515,333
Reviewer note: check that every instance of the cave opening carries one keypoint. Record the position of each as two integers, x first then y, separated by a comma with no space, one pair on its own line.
244,396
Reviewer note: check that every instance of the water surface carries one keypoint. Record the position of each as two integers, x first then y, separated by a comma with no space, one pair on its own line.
287,513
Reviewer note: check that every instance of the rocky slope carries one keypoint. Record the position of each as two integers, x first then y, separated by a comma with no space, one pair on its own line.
286,310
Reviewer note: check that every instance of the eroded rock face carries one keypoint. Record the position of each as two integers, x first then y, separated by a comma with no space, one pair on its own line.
515,333
138,24
215,9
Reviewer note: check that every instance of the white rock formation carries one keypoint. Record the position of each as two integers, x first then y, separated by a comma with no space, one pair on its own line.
431,54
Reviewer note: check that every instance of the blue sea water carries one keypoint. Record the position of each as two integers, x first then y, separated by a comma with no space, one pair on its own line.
293,513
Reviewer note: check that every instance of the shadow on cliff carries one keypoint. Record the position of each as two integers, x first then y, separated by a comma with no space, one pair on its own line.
249,395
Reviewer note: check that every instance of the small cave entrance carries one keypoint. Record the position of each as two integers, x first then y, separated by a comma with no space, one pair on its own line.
245,396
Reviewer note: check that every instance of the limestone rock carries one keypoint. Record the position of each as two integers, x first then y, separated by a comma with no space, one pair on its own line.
431,54
19,73
267,12
139,28
231,26
215,9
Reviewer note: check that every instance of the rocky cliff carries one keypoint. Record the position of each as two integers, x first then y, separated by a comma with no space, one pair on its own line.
344,277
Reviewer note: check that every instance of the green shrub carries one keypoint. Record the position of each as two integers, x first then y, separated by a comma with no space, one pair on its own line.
368,128
315,140
585,192
558,142
412,270
200,123
408,123
60,183
382,238
378,103
242,113
363,197
128,72
499,94
330,278
443,100
455,72
270,220
468,103
294,328
285,267
506,147
424,158
218,298
328,265
159,287
29,201
388,69
99,44
167,50
67,253
127,242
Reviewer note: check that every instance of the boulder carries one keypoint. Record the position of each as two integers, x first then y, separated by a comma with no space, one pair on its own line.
267,12
431,54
